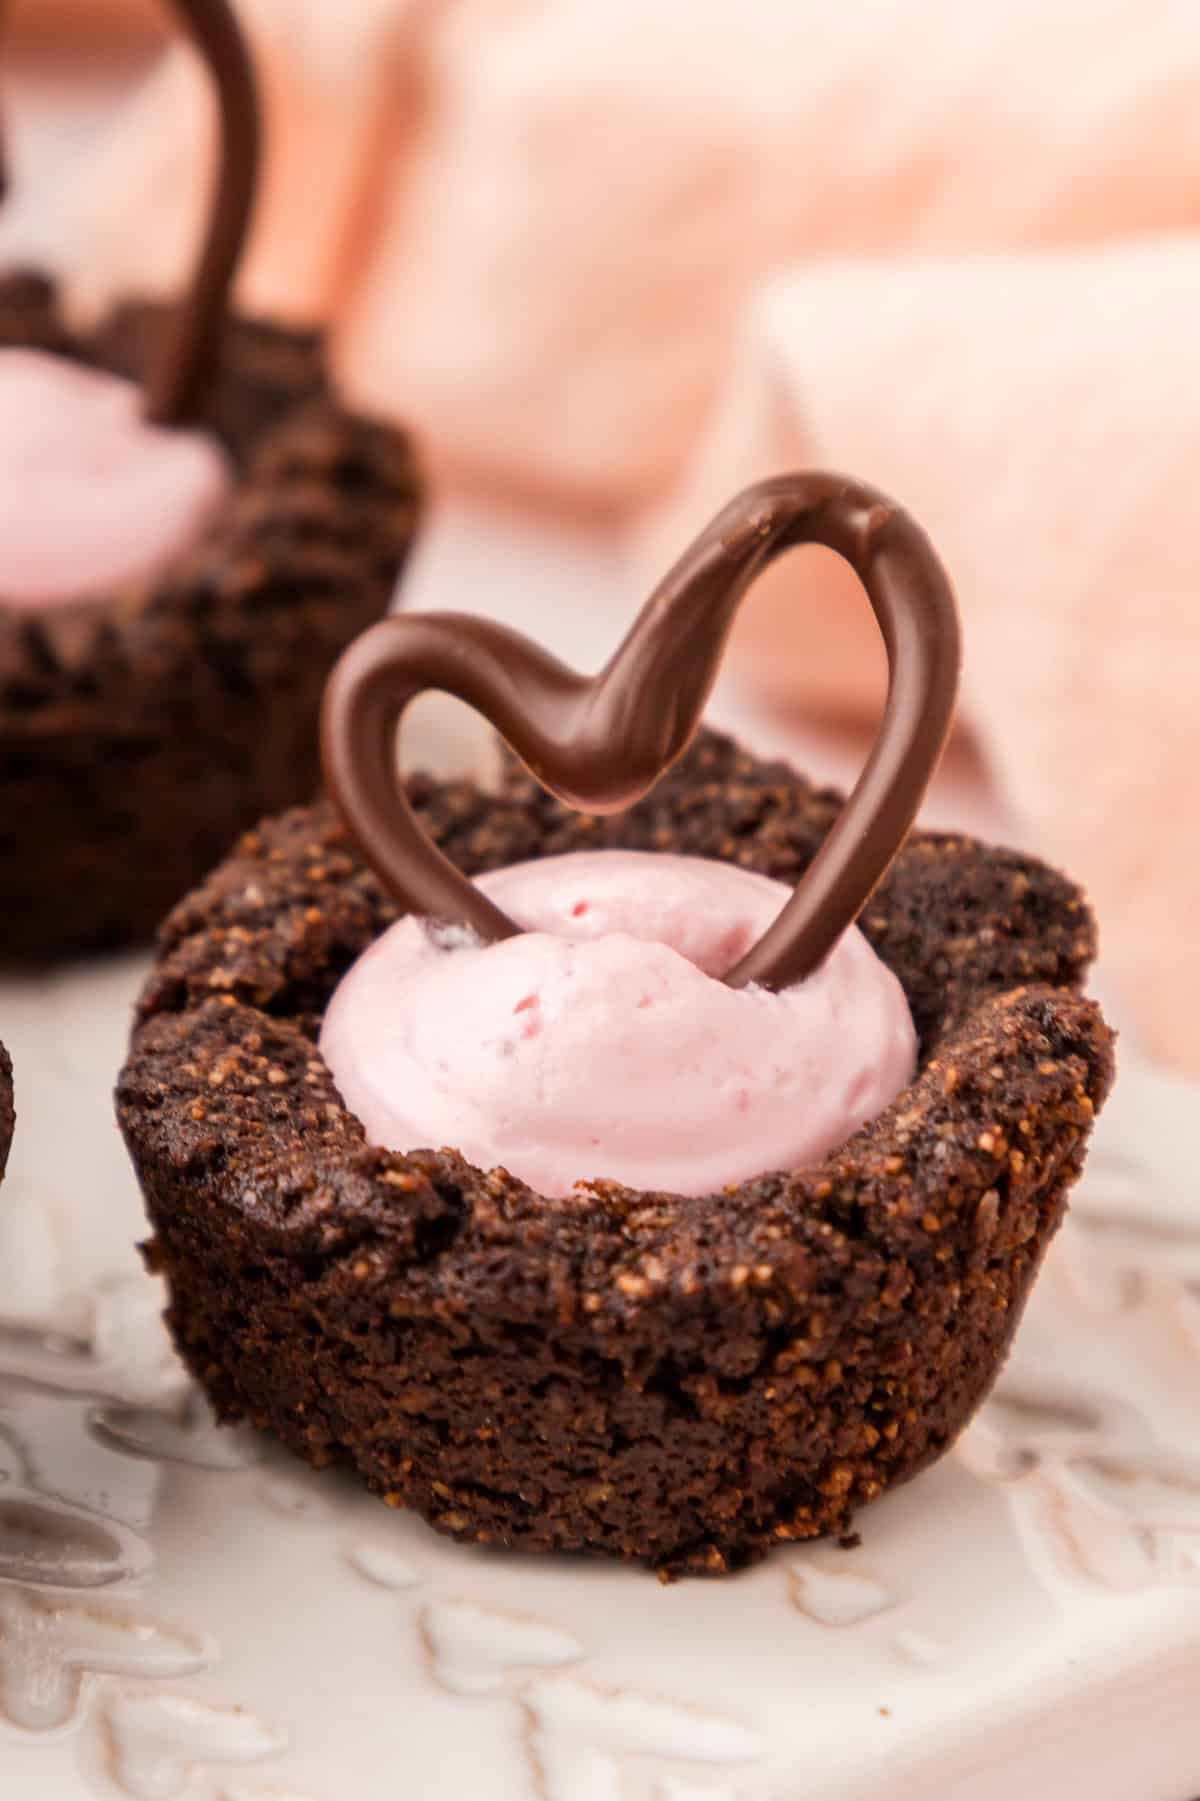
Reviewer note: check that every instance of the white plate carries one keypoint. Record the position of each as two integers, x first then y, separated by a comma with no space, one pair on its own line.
185,1614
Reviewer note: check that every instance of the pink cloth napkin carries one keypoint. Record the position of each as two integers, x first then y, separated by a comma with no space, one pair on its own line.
538,220
329,83
1039,416
624,254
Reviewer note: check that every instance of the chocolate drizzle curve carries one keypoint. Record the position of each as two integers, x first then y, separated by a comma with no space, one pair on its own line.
601,742
185,360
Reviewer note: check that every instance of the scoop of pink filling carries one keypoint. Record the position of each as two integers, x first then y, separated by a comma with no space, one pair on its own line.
91,495
602,1042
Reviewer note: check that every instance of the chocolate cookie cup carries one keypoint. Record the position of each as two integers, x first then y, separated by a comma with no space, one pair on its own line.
142,730
7,1113
144,726
681,1381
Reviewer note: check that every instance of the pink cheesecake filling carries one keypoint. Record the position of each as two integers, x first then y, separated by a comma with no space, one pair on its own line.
90,494
602,1043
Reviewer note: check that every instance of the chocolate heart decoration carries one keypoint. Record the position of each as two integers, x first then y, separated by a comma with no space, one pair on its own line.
190,347
601,742
185,360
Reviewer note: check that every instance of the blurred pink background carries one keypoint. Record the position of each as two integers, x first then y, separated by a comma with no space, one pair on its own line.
614,258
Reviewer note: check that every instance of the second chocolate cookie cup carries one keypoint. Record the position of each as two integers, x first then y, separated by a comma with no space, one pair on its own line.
141,730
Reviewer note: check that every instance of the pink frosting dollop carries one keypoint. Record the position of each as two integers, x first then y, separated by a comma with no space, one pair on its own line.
602,1041
90,494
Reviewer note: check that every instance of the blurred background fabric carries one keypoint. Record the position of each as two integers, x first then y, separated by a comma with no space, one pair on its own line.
616,257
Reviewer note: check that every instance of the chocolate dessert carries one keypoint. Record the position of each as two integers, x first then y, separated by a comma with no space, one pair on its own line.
149,713
7,1113
682,1379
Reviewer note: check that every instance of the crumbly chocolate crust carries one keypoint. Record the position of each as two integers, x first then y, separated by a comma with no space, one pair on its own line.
8,1116
140,732
682,1381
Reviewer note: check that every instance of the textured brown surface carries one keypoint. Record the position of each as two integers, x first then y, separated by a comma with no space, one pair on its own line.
141,732
7,1115
686,1381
